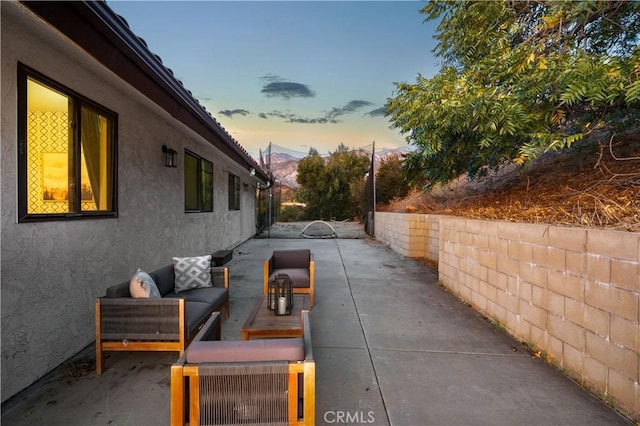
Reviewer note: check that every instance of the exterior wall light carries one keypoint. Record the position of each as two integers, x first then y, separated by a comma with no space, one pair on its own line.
170,157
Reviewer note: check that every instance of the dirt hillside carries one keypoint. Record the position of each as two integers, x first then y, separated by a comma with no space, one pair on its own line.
596,184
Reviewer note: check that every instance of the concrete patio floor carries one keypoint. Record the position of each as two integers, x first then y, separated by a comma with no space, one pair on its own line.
392,347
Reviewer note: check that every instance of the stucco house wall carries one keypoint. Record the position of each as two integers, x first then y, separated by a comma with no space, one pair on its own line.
52,272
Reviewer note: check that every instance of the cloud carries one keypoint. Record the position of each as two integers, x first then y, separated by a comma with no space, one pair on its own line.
287,90
347,109
330,117
231,112
378,112
293,118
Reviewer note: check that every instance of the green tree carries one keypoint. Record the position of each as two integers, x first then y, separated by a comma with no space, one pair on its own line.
312,177
332,189
390,182
518,78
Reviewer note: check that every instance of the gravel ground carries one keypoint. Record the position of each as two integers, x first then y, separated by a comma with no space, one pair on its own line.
315,229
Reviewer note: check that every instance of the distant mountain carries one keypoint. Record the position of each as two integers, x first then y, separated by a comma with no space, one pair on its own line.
285,166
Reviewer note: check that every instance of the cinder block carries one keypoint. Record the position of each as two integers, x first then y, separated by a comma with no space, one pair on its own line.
539,337
568,238
565,284
524,290
595,373
556,258
512,284
508,266
539,297
596,320
625,333
509,230
575,262
497,279
499,313
555,303
613,356
534,234
466,238
549,257
624,391
523,329
625,275
521,251
479,301
598,268
499,246
566,331
490,292
534,274
572,359
574,311
616,244
555,347
619,302
508,301
532,314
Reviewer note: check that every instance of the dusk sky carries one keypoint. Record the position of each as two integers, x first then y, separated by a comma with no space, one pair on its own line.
299,74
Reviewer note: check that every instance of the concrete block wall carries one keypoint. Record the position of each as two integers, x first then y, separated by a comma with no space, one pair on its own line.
411,235
572,293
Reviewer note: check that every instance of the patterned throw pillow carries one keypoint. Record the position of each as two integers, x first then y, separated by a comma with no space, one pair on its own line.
192,272
143,286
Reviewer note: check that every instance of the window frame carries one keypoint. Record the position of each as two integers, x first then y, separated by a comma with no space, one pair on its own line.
200,183
24,73
234,192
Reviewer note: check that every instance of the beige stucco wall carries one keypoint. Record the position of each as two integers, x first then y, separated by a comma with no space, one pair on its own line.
573,293
51,272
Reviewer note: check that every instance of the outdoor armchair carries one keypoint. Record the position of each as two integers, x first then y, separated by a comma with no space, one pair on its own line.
298,265
262,381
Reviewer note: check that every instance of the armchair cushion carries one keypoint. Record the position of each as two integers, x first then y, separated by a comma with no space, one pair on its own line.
299,277
285,259
259,350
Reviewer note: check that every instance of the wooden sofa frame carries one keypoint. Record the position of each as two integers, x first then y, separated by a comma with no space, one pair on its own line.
185,380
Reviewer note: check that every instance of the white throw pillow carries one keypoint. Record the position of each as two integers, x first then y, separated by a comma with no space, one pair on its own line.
192,272
142,286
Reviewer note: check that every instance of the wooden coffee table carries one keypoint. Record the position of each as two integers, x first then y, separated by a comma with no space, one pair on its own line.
263,323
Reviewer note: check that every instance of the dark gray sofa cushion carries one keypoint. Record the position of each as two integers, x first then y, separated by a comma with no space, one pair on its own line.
197,313
214,296
119,290
164,278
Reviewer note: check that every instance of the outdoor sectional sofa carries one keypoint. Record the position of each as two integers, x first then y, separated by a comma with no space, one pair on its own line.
168,323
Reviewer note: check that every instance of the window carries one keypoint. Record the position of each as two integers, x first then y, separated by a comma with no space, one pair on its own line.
66,152
198,183
234,192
